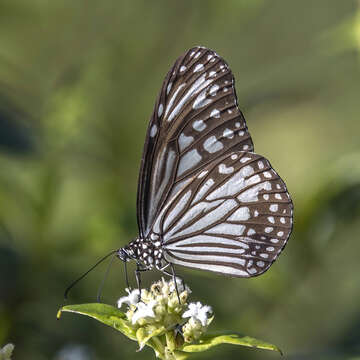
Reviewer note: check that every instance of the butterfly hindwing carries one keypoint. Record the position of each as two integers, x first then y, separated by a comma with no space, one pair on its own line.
233,217
196,120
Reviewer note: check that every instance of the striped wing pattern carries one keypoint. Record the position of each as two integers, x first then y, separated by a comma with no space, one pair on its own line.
196,119
214,203
234,217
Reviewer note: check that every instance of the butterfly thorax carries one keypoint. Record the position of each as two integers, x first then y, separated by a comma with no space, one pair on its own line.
146,251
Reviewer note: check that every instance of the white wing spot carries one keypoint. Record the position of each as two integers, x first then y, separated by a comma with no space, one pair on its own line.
270,248
251,232
271,219
280,233
213,90
212,73
278,196
228,133
241,133
245,147
274,240
244,159
264,255
260,164
153,130
160,110
278,186
154,236
215,113
225,170
168,88
202,174
225,89
246,171
260,264
237,124
183,68
267,174
282,220
266,197
197,55
256,213
192,53
203,190
240,214
171,101
227,229
212,145
199,125
234,157
269,229
210,56
188,160
273,207
198,67
201,100
252,271
251,195
230,111
184,141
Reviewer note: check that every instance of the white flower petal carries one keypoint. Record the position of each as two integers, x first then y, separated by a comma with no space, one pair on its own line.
132,299
198,312
144,311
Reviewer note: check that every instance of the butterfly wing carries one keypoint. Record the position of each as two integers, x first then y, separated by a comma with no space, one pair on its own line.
233,217
196,119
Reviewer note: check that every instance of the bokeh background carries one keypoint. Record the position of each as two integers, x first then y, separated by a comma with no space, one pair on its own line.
78,80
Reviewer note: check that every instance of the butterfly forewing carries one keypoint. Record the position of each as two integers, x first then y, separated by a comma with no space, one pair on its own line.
233,217
195,121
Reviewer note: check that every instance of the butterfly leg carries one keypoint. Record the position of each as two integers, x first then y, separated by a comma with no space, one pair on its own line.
127,277
173,276
138,271
175,282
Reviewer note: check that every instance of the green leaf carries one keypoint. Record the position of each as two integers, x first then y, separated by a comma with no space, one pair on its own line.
143,336
210,340
104,313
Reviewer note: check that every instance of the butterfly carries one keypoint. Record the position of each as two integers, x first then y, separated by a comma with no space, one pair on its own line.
205,199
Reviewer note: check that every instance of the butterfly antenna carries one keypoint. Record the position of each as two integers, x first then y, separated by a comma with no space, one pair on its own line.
98,297
83,275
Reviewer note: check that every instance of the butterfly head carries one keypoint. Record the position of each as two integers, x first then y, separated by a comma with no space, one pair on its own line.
124,254
128,252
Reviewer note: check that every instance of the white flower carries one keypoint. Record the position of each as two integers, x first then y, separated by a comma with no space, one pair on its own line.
199,312
180,285
6,351
144,311
132,299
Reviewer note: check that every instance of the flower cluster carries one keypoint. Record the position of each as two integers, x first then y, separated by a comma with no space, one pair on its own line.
164,308
162,319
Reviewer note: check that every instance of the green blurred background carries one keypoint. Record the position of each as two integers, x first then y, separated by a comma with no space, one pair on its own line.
78,81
